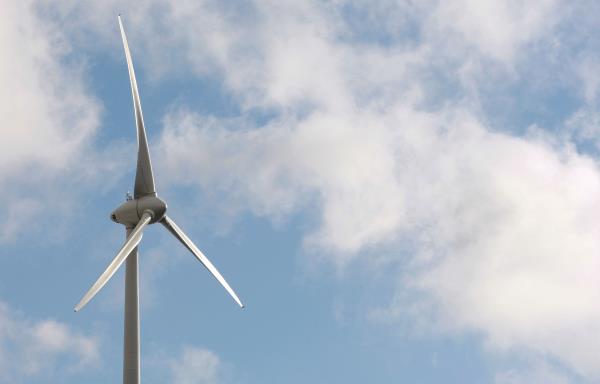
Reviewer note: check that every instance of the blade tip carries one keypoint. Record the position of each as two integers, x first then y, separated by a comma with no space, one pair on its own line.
79,307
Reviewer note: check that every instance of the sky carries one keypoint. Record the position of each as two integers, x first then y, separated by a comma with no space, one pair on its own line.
398,191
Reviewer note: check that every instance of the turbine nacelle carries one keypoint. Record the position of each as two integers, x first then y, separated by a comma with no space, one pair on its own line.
130,212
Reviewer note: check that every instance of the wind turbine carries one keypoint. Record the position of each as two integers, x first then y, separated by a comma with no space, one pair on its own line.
135,214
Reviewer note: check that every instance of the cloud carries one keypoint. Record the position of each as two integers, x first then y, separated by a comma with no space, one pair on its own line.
196,366
503,229
47,114
30,349
378,133
284,178
510,250
49,117
18,213
498,29
535,371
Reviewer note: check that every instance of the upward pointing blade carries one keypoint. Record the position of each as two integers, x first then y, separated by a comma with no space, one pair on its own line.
144,181
178,233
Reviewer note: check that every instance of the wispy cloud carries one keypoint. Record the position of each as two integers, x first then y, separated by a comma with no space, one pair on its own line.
196,366
379,132
49,118
502,226
534,372
31,348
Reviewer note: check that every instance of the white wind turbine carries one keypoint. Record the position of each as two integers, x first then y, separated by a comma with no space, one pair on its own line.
135,214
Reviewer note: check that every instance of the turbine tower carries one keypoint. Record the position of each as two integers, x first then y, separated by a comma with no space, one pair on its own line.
135,214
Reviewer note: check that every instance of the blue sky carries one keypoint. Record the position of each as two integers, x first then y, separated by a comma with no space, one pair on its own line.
398,191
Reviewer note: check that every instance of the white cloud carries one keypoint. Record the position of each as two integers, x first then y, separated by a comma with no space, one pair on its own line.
537,372
289,162
499,29
505,229
48,119
196,366
584,123
512,247
47,114
18,213
29,349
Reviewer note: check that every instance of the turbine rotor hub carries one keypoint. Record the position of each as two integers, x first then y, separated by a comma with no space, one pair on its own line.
130,212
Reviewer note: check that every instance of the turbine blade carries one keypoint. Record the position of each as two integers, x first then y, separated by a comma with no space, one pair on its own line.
132,241
144,180
178,233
